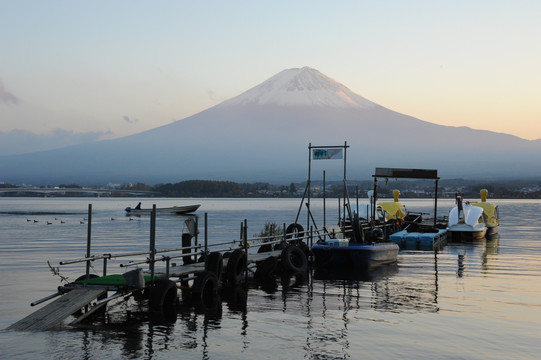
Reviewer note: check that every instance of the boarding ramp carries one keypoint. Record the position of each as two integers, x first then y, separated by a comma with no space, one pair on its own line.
54,313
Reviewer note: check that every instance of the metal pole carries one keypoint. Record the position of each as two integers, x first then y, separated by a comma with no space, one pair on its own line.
245,236
345,150
152,241
374,199
308,184
436,204
339,212
324,200
206,240
346,195
88,239
357,197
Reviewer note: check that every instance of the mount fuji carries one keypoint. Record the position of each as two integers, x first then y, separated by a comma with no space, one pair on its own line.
263,135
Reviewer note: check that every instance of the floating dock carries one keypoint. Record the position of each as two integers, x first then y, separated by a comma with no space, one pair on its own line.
420,240
200,271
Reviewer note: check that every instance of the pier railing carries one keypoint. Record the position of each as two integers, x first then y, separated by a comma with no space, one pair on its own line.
198,252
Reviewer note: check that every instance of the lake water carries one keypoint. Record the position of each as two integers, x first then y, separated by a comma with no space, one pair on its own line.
466,301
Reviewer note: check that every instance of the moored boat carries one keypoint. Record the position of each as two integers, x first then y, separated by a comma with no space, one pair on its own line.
164,210
466,222
393,209
491,214
362,256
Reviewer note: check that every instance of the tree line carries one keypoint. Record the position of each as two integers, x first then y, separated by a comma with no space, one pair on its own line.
519,189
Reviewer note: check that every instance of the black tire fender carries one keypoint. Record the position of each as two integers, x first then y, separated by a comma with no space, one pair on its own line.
215,264
163,294
265,268
294,259
236,267
294,231
205,289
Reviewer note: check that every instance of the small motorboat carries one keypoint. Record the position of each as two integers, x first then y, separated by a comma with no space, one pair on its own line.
340,253
466,222
164,210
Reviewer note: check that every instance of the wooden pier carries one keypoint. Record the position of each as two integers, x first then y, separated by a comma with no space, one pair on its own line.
199,270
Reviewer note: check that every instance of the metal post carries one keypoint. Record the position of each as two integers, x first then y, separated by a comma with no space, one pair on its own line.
345,183
357,197
308,184
436,204
196,241
88,239
324,200
104,266
245,238
206,241
152,241
339,212
374,199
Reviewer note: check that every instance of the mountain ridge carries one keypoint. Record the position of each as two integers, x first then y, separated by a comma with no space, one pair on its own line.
266,139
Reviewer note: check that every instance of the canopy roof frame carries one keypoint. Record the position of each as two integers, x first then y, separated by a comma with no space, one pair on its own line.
403,173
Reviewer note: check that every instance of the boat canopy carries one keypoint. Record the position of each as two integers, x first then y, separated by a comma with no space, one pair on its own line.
490,213
393,209
406,173
472,214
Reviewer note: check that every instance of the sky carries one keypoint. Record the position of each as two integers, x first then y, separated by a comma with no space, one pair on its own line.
85,70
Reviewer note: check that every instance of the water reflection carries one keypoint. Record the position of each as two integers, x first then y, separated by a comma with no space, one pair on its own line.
313,300
485,250
476,295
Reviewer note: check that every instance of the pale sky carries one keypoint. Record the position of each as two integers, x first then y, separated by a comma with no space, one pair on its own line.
118,67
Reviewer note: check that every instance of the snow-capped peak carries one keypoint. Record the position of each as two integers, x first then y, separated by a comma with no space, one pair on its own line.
300,87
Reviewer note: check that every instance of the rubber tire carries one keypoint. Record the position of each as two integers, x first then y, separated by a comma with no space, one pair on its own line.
264,248
294,231
205,289
294,259
305,248
236,267
163,294
215,264
237,298
266,268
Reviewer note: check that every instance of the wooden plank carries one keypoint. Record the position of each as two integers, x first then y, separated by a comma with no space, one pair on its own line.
54,313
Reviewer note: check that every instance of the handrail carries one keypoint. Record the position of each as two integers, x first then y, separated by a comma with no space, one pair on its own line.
111,256
254,242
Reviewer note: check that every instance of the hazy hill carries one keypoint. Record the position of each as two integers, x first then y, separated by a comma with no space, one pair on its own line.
263,135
